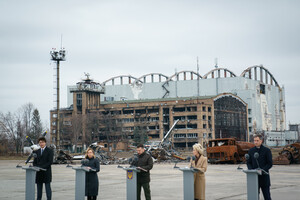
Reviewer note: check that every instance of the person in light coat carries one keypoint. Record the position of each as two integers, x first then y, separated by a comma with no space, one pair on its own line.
199,163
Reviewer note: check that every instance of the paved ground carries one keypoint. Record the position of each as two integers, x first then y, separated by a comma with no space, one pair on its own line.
223,182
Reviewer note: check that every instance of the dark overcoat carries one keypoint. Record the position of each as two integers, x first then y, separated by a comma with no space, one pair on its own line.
144,161
91,177
264,161
43,161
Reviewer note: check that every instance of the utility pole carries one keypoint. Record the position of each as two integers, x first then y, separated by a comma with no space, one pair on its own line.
57,56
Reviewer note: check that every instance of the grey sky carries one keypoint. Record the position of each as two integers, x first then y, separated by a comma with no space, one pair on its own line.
110,38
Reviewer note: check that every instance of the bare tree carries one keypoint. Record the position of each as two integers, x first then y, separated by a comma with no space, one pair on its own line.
27,112
11,128
92,127
15,126
76,130
109,128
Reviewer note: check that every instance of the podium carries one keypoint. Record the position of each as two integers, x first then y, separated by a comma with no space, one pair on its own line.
188,182
131,182
30,181
252,183
80,182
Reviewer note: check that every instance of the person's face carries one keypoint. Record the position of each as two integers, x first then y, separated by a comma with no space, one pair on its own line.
90,154
42,143
257,141
140,150
196,153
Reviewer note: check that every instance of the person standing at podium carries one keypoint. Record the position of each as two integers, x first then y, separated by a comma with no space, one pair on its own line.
91,177
44,159
264,162
145,164
200,163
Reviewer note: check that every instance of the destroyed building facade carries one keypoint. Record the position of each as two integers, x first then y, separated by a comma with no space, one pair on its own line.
216,105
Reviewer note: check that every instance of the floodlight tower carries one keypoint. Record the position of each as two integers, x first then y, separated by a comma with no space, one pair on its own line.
57,56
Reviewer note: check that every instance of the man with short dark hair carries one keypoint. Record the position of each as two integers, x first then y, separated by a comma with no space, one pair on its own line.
145,164
43,160
264,163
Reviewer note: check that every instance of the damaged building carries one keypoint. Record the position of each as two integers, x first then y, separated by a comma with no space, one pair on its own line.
217,105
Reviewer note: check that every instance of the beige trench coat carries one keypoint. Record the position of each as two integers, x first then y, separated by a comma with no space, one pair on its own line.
199,178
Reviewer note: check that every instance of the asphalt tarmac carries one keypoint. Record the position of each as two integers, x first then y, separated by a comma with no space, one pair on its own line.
223,182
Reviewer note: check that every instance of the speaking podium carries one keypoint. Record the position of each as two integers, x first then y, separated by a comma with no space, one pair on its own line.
188,182
131,182
80,181
252,183
30,181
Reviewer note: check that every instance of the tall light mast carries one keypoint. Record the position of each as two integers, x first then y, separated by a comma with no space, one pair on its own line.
57,56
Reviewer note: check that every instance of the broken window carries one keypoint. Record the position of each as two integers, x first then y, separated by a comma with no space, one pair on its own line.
192,135
209,109
155,110
79,99
209,118
262,88
203,108
180,109
192,117
191,109
249,111
192,126
179,135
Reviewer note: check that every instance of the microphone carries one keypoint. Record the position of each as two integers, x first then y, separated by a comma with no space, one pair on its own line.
188,158
247,156
256,155
193,158
30,156
84,161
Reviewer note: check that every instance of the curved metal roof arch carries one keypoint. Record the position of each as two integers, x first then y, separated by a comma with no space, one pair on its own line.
192,73
211,72
248,72
121,77
143,78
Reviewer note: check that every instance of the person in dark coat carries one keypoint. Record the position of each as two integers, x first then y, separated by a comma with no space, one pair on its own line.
145,164
91,177
44,159
265,163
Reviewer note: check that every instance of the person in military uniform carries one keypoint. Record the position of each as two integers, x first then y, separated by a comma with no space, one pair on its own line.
144,163
264,162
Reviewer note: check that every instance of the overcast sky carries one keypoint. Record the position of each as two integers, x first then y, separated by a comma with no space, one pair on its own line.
110,38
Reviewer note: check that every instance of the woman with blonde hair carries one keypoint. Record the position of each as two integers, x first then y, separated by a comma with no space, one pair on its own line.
91,177
200,163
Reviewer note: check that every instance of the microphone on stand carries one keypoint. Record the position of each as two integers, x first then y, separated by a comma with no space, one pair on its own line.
247,156
30,156
256,155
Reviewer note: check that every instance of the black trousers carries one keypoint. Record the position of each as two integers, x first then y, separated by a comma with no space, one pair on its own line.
40,191
266,192
146,187
91,197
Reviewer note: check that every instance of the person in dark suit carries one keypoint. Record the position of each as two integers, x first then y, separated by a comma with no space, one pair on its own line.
264,162
145,164
91,177
44,159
